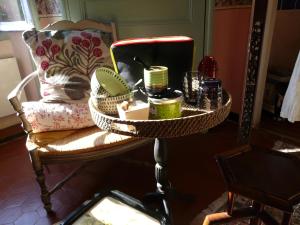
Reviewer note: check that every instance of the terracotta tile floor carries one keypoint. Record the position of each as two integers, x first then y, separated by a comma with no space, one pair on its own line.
191,169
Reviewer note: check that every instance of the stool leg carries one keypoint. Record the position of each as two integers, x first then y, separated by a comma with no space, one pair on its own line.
230,202
259,207
286,219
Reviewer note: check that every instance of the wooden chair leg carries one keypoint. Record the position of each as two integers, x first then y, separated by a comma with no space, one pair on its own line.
224,218
258,207
217,218
286,219
40,178
230,202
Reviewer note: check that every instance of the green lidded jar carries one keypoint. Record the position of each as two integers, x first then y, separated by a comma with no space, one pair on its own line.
166,108
156,80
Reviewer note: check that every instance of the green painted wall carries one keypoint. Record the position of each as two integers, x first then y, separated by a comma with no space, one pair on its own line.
142,18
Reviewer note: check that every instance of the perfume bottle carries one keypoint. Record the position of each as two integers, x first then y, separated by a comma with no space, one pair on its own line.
210,88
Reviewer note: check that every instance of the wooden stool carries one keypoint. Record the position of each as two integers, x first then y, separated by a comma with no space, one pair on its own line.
266,177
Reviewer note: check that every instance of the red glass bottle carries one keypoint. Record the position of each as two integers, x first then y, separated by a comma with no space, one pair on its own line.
208,67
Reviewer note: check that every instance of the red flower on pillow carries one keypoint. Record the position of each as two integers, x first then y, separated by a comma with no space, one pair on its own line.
86,35
86,43
97,52
96,41
44,65
46,93
55,49
47,43
40,51
76,40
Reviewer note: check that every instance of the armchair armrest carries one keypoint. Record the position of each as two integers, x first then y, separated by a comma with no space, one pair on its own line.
14,98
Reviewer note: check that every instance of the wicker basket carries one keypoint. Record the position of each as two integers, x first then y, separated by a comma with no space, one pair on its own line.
192,121
108,105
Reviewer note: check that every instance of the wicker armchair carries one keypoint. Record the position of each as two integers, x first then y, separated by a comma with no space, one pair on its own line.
69,145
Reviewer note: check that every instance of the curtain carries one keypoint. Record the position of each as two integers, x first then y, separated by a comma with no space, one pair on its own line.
291,102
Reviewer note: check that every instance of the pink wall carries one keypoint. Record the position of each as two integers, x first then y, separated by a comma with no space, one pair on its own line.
230,40
286,40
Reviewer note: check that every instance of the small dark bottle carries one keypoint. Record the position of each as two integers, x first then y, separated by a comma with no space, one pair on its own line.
210,89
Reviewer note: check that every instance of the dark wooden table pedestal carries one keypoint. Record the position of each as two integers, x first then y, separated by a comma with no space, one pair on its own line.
162,182
163,187
164,190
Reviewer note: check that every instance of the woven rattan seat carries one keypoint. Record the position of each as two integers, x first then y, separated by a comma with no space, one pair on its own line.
77,141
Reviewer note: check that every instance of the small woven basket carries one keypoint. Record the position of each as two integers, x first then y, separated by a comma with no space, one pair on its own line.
108,105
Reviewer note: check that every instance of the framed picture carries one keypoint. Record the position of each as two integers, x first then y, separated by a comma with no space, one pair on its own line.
288,4
11,11
15,15
232,3
48,8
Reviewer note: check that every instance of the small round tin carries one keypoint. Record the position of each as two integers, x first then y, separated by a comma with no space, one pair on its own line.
166,108
156,80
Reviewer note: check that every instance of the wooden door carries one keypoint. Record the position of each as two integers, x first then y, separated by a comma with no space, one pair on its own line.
144,18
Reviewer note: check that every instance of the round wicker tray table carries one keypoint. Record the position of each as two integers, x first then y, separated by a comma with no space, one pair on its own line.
192,121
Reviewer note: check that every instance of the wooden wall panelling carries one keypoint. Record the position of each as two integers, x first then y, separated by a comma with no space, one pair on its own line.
136,18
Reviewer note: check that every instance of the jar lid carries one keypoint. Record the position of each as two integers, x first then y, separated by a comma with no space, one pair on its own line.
171,96
156,70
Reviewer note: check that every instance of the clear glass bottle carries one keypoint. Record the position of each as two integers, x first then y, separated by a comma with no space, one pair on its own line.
191,82
210,89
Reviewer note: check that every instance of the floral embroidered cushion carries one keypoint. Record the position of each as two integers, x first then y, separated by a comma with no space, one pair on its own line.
66,60
57,116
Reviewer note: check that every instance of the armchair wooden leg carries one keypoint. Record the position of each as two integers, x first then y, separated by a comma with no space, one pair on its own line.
40,177
217,218
259,208
230,202
224,217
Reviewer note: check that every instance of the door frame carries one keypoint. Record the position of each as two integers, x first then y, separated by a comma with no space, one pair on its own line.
264,62
260,39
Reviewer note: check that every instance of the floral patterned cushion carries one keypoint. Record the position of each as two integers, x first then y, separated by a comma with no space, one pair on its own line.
65,61
57,116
